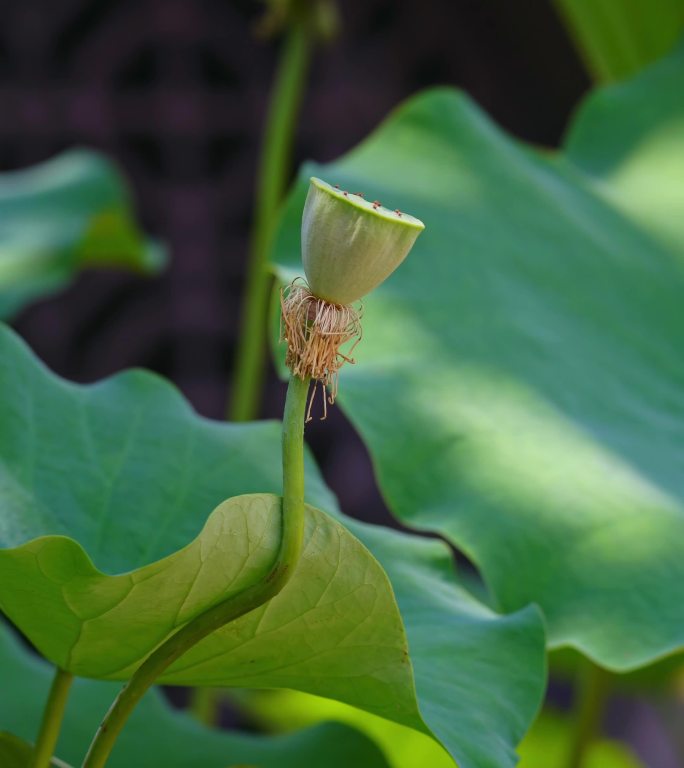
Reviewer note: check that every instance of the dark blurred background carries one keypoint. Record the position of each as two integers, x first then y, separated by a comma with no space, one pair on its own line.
176,92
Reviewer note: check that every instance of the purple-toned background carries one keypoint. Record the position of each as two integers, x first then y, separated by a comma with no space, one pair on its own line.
176,92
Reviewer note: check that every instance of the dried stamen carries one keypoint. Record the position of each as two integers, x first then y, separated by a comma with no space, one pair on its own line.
315,330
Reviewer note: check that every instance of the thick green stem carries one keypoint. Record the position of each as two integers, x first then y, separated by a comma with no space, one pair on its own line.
593,686
293,463
52,719
232,608
271,184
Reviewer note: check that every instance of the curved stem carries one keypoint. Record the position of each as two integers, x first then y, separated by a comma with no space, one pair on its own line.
52,719
235,606
593,686
271,184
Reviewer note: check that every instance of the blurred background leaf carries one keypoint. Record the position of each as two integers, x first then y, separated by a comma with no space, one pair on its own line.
70,213
617,38
285,711
15,752
545,746
548,743
18,753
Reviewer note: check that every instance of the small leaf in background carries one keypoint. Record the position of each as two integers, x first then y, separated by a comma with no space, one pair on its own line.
156,735
617,38
286,711
130,479
627,142
15,752
67,214
520,382
661,677
547,745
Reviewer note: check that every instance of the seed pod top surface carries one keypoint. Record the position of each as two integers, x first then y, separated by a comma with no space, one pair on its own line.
350,245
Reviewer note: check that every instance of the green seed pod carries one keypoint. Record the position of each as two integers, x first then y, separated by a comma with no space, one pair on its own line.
350,245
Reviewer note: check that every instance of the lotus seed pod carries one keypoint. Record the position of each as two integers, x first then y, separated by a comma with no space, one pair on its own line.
350,245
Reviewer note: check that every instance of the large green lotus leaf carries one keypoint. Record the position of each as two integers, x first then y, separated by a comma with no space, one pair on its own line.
520,382
474,670
81,460
156,735
480,707
128,479
58,217
335,630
